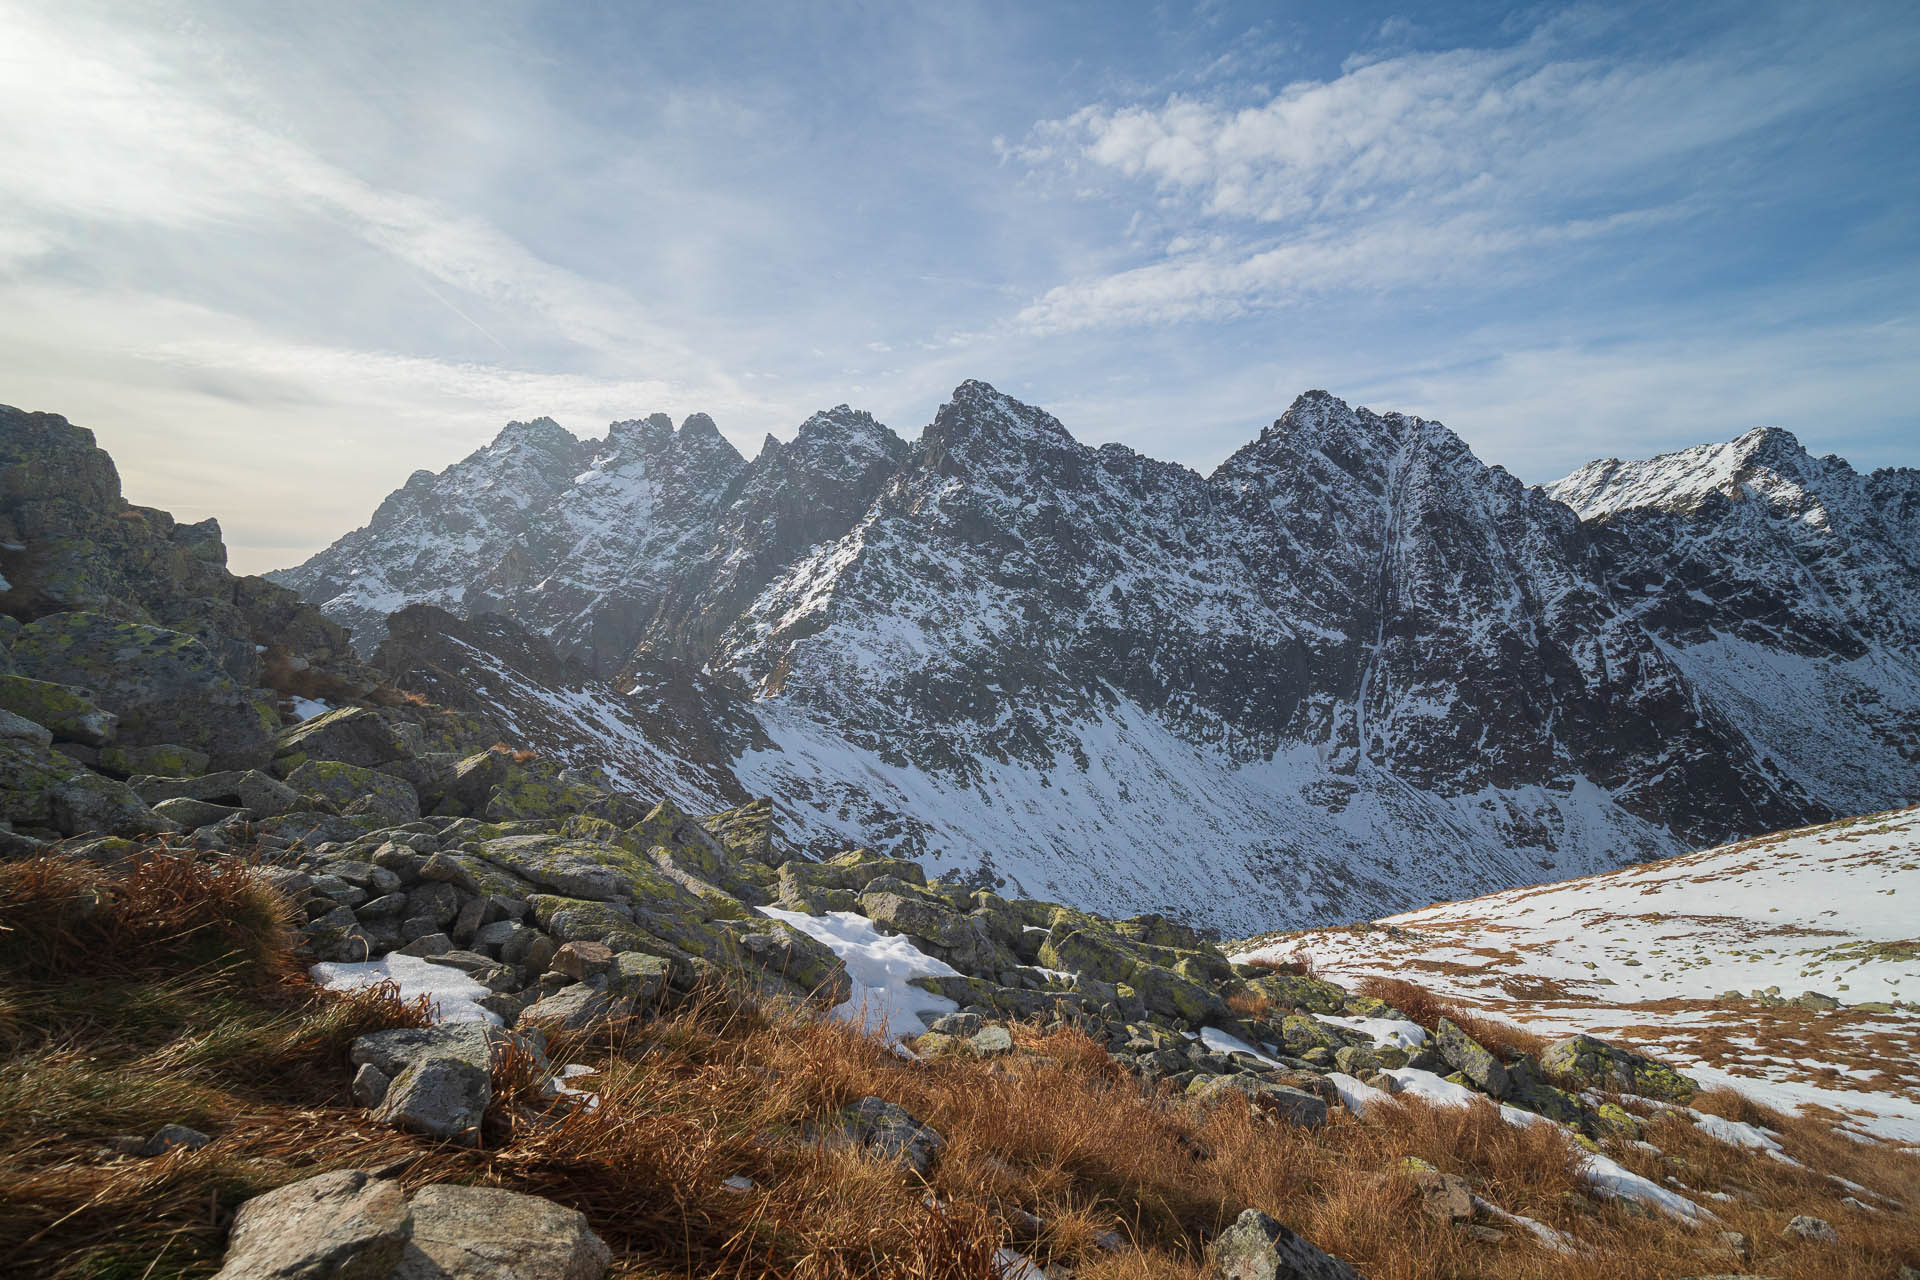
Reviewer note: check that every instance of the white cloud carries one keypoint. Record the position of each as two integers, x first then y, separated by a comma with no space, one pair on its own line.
1232,280
95,127
1422,168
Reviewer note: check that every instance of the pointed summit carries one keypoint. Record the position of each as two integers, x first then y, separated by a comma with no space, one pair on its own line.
979,423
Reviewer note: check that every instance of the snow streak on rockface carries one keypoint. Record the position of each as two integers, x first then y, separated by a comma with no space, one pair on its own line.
1353,670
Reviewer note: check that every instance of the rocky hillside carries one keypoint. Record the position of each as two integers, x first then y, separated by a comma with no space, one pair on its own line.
1353,670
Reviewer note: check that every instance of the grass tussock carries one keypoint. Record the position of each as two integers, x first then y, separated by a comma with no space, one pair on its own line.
62,920
1295,964
717,1146
1504,1039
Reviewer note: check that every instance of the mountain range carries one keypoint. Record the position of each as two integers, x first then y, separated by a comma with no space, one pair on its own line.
1353,670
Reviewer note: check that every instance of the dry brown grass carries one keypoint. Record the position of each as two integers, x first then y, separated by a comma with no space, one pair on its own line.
1296,964
387,695
727,1086
1250,1004
1504,1039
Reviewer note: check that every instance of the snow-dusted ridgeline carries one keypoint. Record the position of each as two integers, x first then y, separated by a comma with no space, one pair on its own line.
1352,670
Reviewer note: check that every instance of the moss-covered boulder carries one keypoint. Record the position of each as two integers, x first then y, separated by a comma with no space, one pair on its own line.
1302,1034
359,736
1587,1063
1287,991
1167,993
1092,951
356,790
746,832
165,686
1471,1059
466,790
527,792
807,963
961,940
164,760
65,711
587,869
42,788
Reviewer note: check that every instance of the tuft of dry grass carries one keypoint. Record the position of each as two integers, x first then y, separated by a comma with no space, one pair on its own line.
61,919
1297,964
1505,1040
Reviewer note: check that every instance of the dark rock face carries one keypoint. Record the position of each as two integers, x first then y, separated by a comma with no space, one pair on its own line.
1353,669
70,542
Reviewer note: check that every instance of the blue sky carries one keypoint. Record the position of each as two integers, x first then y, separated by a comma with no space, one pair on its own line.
280,255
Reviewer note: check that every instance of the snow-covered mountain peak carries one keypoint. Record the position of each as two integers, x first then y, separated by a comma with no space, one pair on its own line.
845,439
647,435
541,435
979,424
1765,461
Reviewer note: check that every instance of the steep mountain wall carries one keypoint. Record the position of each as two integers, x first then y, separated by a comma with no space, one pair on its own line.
1353,669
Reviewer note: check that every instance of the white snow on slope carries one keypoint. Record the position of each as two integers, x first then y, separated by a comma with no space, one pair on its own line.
882,968
1150,816
451,993
1641,955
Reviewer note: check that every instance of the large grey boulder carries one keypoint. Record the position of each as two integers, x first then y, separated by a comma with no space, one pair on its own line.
85,802
573,1008
43,788
482,1233
1586,1063
1256,1247
394,1050
465,793
1466,1055
1295,1106
165,686
191,814
336,1226
356,790
260,793
20,729
352,735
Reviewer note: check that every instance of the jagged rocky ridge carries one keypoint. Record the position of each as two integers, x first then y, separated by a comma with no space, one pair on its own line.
1352,670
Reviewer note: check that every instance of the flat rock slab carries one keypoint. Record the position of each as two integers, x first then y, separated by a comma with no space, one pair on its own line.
481,1233
342,1226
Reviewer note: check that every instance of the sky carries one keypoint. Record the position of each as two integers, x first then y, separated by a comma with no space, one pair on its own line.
278,256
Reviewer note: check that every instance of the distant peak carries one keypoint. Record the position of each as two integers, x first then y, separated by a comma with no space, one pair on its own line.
539,433
697,425
641,435
1684,479
979,419
842,437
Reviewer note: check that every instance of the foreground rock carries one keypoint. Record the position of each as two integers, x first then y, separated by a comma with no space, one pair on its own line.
349,1225
481,1233
340,1226
1258,1248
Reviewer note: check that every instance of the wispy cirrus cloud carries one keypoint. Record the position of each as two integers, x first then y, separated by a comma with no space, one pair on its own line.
1424,169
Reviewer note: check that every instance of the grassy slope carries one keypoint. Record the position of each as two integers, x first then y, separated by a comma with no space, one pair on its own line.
172,997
